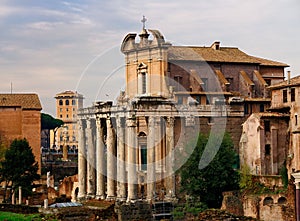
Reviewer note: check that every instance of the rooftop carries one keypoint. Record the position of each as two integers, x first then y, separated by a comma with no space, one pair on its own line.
221,54
293,82
25,101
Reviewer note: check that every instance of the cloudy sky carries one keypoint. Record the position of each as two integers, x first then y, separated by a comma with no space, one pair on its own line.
51,46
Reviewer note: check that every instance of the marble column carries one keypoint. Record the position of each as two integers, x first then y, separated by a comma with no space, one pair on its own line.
111,160
100,161
151,179
297,197
170,179
121,168
132,170
91,151
81,159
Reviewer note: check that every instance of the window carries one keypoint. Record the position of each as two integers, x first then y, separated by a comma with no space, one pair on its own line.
60,109
178,82
284,96
292,94
67,102
143,157
73,102
267,126
268,81
180,100
267,150
143,83
60,102
246,109
60,116
67,109
261,108
296,119
67,115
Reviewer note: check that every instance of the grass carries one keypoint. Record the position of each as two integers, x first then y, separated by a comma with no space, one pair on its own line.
8,216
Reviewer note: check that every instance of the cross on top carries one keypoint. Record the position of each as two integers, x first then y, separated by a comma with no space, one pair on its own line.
144,21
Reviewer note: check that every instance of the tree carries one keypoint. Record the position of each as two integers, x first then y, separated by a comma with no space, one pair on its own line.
49,123
209,182
19,167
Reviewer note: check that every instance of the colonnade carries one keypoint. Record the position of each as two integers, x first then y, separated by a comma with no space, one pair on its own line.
108,158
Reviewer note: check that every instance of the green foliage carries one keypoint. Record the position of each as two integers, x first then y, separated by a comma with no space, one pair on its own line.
19,167
192,206
245,178
284,175
50,123
219,176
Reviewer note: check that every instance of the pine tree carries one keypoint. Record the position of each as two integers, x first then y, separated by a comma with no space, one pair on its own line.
19,167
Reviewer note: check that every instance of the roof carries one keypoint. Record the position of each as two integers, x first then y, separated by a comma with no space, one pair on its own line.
293,82
223,54
25,101
69,94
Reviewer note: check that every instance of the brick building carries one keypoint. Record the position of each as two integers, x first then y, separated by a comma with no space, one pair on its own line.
20,117
172,93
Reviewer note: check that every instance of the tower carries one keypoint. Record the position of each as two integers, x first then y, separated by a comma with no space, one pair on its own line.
67,105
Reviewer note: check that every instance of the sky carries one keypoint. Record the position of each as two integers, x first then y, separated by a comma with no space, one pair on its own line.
50,46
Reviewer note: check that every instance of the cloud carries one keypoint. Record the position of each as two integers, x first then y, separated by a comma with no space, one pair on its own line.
47,45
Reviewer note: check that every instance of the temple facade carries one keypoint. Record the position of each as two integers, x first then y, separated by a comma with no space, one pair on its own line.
131,149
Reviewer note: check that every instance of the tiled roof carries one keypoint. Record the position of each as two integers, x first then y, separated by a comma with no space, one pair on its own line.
25,101
68,94
223,54
293,82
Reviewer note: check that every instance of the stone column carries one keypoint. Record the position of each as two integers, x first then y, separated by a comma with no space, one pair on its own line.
170,179
297,197
91,151
151,179
121,172
20,195
100,161
132,170
111,160
81,160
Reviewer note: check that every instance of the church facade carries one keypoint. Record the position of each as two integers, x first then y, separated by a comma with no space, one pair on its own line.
131,150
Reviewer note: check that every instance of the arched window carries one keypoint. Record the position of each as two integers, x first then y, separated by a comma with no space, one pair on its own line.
282,200
268,201
60,102
67,102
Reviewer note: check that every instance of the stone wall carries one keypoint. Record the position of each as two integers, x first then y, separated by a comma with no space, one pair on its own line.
267,207
134,211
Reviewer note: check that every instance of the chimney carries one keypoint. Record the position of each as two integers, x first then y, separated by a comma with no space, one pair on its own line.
289,77
216,45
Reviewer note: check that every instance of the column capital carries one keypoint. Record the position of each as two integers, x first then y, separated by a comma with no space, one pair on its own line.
170,121
131,122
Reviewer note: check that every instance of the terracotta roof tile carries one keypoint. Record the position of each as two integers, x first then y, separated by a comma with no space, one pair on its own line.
25,101
224,54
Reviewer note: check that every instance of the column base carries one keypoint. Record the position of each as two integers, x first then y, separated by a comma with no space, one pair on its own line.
110,198
121,199
90,196
100,197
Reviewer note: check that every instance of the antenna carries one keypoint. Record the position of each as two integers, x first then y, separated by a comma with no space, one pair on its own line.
11,87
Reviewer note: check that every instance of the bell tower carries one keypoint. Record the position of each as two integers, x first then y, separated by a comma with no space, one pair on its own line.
146,63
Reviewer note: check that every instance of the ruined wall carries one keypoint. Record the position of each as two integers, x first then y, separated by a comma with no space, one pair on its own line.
267,207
